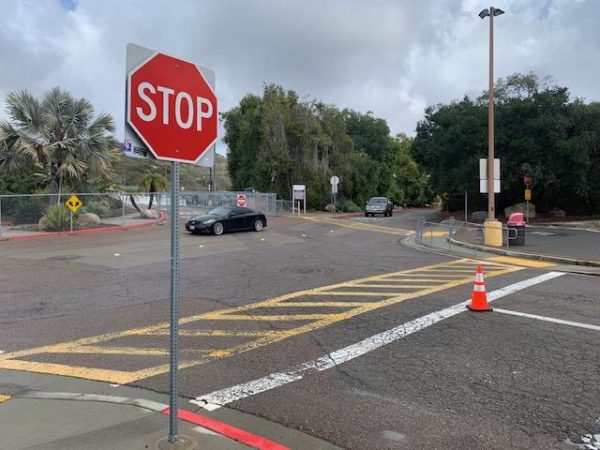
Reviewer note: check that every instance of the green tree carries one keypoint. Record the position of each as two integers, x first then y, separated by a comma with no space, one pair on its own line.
277,140
57,139
539,131
153,182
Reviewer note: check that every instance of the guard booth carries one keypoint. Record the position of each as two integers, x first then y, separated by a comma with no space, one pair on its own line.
516,222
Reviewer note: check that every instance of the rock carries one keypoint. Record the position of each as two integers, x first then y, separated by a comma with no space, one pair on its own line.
150,214
42,225
478,216
522,208
557,212
88,219
329,207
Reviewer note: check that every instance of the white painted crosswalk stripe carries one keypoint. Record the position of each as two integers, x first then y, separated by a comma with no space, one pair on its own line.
549,319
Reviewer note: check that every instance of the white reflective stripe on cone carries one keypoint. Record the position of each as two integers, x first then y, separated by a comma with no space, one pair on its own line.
478,288
479,277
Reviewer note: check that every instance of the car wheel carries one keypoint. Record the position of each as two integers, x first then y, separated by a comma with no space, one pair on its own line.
217,228
366,214
390,213
258,225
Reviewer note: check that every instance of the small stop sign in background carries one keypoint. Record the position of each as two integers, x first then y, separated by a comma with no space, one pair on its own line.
241,200
171,106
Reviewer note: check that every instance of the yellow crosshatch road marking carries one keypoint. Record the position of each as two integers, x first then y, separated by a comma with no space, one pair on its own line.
345,223
360,296
522,262
3,398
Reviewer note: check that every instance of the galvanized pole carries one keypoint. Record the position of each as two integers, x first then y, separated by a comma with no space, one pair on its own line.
0,216
71,221
466,209
173,350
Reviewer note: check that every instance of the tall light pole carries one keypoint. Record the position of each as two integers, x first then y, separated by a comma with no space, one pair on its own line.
491,237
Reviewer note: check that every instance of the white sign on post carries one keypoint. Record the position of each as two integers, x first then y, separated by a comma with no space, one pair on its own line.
483,182
334,180
299,193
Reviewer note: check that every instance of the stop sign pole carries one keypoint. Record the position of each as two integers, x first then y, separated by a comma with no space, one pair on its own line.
171,114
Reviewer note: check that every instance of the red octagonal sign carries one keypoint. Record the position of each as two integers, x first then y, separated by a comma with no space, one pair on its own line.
172,108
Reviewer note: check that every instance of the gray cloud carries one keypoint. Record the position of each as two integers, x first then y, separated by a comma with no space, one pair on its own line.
392,57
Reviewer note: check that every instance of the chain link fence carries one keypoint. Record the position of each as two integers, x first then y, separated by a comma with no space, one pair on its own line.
27,213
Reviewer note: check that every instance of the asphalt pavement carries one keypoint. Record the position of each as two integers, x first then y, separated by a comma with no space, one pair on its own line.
582,245
319,332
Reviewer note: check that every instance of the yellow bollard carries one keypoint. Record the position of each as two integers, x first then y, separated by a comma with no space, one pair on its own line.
492,233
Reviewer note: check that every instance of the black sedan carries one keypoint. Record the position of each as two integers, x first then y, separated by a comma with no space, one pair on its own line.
226,218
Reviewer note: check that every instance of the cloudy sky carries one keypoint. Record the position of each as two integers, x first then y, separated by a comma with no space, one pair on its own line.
392,57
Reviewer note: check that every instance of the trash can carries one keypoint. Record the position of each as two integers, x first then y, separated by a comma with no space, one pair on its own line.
516,222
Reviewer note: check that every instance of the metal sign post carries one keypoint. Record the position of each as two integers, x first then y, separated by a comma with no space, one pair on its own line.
334,180
150,131
173,348
527,180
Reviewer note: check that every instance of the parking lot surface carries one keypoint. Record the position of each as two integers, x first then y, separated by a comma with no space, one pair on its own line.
325,325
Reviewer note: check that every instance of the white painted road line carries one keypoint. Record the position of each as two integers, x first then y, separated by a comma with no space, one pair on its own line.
549,319
217,399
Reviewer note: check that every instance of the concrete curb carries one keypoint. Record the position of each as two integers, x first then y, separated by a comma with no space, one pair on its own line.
533,256
46,234
222,428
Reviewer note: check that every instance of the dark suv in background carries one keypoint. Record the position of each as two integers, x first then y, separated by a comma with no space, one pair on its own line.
379,205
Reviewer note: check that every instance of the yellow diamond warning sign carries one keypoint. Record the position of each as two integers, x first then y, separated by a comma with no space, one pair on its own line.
74,204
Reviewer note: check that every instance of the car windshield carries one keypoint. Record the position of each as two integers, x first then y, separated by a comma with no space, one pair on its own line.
220,211
377,200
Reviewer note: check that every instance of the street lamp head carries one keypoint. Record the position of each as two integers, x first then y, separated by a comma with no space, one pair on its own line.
490,12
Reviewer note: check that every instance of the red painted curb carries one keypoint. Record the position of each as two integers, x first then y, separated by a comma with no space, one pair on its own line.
237,434
87,231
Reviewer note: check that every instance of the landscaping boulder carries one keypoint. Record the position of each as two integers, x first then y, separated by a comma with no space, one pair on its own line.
150,214
557,212
88,220
479,216
42,225
522,208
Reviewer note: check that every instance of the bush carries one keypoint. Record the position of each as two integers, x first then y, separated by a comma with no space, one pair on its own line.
97,208
58,218
23,210
347,206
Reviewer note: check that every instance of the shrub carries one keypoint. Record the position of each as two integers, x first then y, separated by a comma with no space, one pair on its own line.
58,218
97,208
347,206
23,210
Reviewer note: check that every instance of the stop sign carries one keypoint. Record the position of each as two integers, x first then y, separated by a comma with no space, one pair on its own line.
172,108
241,200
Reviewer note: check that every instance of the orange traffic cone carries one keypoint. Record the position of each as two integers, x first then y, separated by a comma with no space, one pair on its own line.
479,301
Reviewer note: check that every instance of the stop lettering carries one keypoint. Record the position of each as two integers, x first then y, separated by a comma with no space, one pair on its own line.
172,108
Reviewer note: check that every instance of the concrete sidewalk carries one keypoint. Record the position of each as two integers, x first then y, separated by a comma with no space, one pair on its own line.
60,413
574,250
127,222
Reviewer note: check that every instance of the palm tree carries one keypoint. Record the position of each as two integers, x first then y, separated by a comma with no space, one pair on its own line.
153,182
57,139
